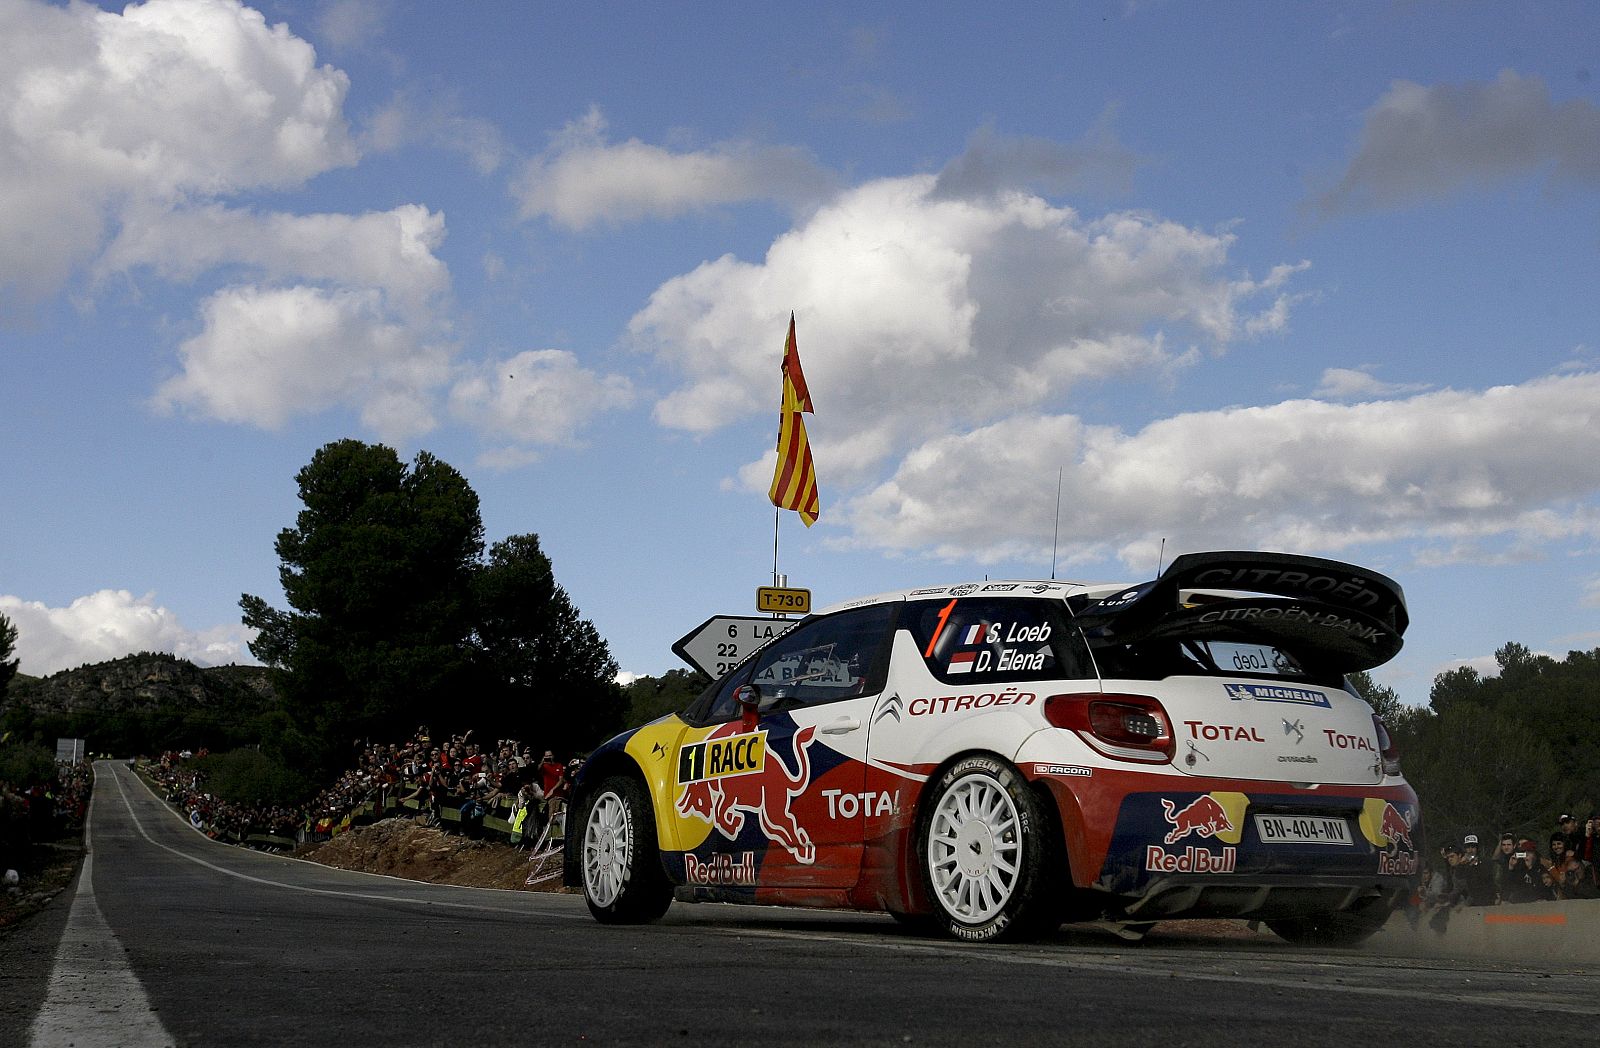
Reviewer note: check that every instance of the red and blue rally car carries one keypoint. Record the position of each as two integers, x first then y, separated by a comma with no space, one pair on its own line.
995,758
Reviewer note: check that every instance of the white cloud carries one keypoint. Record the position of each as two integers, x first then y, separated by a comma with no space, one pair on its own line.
351,23
539,397
583,179
434,121
1420,142
1591,592
353,324
146,120
995,163
391,252
918,315
1519,461
111,623
268,354
1486,665
1356,383
167,101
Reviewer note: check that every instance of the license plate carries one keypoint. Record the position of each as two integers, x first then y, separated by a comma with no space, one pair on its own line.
1302,829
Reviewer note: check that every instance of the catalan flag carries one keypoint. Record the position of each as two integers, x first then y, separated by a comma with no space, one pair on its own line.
794,480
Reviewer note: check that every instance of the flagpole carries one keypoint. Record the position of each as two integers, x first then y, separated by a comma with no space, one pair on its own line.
775,513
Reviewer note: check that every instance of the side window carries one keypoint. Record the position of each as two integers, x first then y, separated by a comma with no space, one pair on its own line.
722,707
837,657
996,639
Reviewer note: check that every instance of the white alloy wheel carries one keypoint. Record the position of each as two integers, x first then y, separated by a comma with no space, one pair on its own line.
607,850
623,881
975,848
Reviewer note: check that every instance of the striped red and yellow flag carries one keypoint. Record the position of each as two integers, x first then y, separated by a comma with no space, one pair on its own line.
794,480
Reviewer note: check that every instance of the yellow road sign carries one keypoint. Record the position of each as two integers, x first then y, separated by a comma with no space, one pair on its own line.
783,601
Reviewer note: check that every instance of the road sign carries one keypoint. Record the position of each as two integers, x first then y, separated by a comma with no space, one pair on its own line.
721,642
783,601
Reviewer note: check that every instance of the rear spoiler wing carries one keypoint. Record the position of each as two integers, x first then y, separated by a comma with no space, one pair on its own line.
1337,616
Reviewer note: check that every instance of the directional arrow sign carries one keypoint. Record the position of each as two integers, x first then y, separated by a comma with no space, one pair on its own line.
721,642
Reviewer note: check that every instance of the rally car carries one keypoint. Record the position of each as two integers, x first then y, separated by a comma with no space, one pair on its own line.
994,758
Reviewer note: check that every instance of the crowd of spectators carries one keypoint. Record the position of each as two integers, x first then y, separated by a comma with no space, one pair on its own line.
456,781
42,811
1515,870
184,785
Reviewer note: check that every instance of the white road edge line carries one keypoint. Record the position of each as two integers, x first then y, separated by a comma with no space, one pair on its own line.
1001,956
93,997
370,896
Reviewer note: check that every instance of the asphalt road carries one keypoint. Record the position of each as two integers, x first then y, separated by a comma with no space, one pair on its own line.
201,944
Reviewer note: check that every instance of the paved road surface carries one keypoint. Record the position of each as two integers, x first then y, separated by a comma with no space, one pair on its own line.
171,938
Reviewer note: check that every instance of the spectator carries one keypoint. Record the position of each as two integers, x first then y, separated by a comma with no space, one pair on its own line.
1567,826
1566,875
1473,877
528,817
555,795
1525,879
550,771
1500,864
1444,894
1588,846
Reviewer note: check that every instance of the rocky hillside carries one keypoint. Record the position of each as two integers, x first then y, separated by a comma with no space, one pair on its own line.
143,682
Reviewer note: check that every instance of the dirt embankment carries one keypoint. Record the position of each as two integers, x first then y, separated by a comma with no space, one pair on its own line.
405,847
43,870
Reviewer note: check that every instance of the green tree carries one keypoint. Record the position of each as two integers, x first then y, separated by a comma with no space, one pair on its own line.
26,764
246,776
377,572
653,697
8,645
1518,664
1481,771
1384,700
547,676
1454,688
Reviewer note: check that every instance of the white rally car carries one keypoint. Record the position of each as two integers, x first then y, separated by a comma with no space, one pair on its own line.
995,758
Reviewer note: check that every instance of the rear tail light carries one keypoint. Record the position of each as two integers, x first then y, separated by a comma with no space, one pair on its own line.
1128,727
1386,747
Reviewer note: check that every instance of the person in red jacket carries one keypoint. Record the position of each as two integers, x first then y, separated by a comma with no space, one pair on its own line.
550,771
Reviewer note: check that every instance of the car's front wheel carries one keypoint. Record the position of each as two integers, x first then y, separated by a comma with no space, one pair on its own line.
622,878
984,849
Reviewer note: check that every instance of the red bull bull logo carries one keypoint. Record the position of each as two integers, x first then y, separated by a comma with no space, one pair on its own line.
1392,826
1203,817
739,777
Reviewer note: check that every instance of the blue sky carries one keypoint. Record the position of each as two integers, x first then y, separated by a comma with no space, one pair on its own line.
1306,277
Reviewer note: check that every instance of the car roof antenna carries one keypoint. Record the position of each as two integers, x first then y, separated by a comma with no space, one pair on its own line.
1056,536
1161,556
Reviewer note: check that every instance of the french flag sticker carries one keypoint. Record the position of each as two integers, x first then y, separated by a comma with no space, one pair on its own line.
961,662
974,634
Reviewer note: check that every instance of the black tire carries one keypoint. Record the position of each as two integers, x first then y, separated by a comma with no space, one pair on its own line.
619,862
1344,928
986,870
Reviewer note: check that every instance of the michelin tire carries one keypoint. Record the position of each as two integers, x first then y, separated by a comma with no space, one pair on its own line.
620,861
983,851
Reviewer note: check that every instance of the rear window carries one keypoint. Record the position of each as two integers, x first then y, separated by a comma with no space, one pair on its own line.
988,640
1159,658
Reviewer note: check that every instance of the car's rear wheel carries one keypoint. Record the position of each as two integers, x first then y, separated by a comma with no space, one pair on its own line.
1345,928
983,850
622,878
